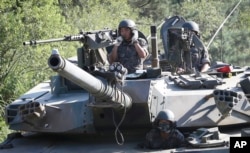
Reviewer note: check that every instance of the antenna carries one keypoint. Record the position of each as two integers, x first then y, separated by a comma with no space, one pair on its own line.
222,24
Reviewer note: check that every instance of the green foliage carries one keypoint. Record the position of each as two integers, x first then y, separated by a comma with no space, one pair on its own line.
3,128
156,9
4,131
2,105
22,67
90,15
228,43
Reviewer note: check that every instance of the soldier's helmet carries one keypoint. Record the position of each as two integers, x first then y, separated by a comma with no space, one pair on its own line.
127,23
166,114
191,25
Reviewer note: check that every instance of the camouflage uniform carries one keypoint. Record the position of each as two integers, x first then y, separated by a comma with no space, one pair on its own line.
155,141
128,56
198,53
187,53
199,57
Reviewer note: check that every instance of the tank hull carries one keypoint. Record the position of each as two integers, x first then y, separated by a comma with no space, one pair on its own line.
94,144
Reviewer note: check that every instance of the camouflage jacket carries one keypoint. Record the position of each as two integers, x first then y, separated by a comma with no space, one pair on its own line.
199,57
186,53
155,141
128,56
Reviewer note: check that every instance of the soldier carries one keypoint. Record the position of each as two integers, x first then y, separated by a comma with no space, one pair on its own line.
164,135
196,55
130,50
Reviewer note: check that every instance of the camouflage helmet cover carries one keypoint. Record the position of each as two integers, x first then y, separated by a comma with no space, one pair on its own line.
191,25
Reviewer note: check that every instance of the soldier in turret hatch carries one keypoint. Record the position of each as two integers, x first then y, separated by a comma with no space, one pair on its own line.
195,55
164,134
130,50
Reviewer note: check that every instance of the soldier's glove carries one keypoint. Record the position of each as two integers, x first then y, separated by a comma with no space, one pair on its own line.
135,36
180,70
119,40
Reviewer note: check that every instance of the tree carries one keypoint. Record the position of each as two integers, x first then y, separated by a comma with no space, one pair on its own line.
98,14
24,20
23,66
209,15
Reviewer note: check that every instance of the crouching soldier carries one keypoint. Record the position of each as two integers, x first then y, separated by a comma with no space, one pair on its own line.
164,135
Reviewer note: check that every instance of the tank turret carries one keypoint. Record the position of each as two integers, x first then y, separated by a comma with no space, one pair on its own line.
87,97
106,96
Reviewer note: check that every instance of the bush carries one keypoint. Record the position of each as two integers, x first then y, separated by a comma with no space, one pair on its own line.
4,131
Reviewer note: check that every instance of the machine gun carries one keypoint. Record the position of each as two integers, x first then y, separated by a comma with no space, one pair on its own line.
94,89
79,102
93,39
93,52
180,43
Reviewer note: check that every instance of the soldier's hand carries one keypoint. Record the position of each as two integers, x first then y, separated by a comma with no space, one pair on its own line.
180,70
135,36
119,40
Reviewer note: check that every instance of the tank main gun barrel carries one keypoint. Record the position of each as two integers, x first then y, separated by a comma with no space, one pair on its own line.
106,96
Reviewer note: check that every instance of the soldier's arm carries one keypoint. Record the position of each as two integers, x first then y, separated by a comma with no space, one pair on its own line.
113,55
180,140
205,61
205,67
151,139
141,48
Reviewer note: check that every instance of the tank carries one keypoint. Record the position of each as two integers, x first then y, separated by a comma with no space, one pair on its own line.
91,106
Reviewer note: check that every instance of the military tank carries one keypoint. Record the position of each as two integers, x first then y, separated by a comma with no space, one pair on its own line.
91,106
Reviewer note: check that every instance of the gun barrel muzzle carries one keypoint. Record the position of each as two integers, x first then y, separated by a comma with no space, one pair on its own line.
98,88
